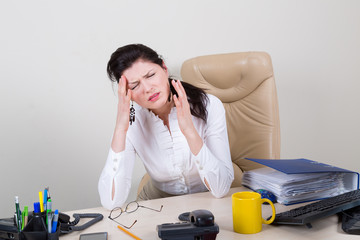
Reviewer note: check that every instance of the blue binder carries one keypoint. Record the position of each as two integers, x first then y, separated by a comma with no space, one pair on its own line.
281,185
302,165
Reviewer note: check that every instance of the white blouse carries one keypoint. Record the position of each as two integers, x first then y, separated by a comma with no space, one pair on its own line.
167,157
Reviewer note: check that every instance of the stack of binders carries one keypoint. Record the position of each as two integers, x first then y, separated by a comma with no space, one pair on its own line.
300,180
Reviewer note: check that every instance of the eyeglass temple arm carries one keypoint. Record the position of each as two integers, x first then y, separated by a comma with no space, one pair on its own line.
152,208
123,224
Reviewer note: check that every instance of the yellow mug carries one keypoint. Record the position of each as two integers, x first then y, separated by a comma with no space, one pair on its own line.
246,210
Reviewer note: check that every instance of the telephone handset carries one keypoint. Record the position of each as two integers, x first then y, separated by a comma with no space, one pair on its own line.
198,224
67,226
200,217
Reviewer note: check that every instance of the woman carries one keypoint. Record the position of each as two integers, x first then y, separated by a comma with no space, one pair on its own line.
178,131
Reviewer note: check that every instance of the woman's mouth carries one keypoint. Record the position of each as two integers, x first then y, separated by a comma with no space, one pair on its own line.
154,97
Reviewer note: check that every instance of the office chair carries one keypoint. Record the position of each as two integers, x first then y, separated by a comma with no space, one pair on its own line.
245,83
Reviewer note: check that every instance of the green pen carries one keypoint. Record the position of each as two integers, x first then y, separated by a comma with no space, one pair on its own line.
22,220
48,209
26,215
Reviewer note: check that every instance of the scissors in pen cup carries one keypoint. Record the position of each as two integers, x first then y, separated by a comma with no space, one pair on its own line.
129,208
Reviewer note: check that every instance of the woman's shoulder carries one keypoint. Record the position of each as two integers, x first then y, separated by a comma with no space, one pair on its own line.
213,98
213,101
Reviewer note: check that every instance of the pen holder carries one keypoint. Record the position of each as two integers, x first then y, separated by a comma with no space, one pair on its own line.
36,229
55,235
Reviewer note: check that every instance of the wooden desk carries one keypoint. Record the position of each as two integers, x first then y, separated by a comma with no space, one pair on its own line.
147,220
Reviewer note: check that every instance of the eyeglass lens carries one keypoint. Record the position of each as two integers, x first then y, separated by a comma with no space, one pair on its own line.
130,207
115,213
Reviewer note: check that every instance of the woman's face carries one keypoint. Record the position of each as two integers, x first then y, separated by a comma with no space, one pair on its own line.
149,84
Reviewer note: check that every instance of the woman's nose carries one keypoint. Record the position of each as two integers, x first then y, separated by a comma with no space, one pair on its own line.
147,86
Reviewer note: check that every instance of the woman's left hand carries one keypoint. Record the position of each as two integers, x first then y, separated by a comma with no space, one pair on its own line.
183,108
185,118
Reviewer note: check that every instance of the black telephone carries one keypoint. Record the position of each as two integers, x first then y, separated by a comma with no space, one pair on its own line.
196,225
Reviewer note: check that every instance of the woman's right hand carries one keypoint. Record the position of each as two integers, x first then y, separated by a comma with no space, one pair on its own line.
123,116
124,97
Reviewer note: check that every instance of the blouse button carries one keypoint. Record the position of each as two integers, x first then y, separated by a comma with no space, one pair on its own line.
115,159
114,169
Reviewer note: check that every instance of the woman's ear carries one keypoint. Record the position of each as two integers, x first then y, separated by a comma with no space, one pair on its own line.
164,67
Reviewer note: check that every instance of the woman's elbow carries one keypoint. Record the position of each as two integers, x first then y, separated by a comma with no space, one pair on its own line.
223,188
220,194
222,191
108,203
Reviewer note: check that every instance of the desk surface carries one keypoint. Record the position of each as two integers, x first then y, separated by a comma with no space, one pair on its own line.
147,220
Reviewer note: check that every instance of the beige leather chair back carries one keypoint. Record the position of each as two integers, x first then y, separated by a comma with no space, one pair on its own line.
245,83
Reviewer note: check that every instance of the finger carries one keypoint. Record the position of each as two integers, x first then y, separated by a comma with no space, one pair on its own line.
183,92
122,86
177,102
128,95
182,97
126,83
181,86
178,90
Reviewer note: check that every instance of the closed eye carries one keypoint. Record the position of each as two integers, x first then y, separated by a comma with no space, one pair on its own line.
150,75
134,85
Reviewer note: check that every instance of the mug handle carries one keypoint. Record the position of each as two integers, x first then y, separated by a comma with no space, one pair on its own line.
263,200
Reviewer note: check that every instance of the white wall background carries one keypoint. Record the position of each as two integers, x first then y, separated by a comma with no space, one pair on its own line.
58,108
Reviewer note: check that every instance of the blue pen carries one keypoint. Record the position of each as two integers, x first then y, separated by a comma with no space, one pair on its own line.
45,198
36,207
55,221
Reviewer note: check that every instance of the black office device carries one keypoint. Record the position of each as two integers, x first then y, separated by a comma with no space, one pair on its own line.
306,214
200,226
8,229
350,220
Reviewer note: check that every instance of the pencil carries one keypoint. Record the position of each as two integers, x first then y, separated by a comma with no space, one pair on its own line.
129,233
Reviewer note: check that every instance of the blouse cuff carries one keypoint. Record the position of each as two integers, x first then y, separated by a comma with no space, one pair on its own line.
114,162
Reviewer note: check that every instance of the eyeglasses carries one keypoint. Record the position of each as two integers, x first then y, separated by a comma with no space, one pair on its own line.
130,208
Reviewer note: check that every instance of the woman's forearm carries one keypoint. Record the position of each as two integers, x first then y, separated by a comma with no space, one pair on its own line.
118,140
194,141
